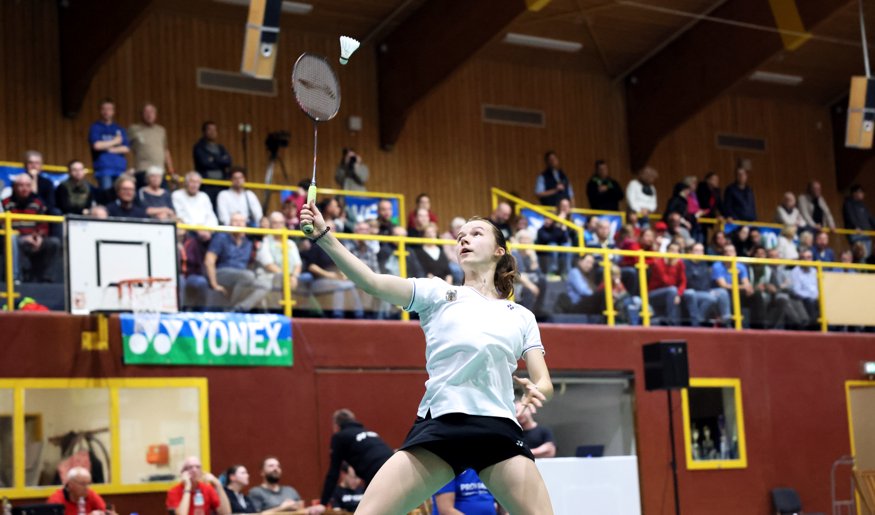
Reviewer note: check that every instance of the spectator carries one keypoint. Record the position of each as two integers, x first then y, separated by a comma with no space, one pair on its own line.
465,494
663,237
641,194
193,206
786,247
821,250
680,228
192,252
803,286
814,209
787,212
327,278
602,190
708,196
555,234
806,241
211,159
679,203
792,314
197,493
699,297
43,187
741,240
238,479
155,199
718,241
125,205
98,212
538,438
417,228
581,286
42,251
290,214
857,216
349,492
109,144
333,211
667,284
149,144
532,281
563,211
627,306
722,278
552,184
738,199
423,201
500,217
366,250
74,196
352,173
450,250
386,223
227,267
237,199
76,488
431,258
858,250
603,238
846,258
269,255
356,445
272,497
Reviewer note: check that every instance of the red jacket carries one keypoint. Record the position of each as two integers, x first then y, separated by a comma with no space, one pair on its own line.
662,275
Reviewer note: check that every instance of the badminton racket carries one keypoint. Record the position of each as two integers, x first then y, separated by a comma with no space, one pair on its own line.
317,92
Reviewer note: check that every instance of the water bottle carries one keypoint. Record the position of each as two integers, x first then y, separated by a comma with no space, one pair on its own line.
199,503
80,506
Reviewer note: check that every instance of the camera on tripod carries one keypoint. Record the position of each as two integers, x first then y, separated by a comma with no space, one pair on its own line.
277,140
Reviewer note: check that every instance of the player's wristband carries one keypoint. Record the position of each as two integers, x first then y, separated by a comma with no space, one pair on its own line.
323,233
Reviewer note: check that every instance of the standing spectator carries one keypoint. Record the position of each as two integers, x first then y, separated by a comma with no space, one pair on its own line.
76,490
431,258
788,213
708,196
211,159
500,217
197,493
269,255
602,190
43,187
803,287
238,479
857,216
109,144
814,209
738,199
465,494
149,144
74,196
423,201
352,173
552,184
641,194
125,204
42,251
227,268
667,284
700,298
155,199
821,250
193,206
237,199
538,438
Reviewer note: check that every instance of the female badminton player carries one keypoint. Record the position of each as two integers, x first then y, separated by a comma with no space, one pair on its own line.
474,338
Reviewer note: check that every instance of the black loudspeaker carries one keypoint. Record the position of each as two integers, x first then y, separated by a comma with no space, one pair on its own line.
666,366
262,34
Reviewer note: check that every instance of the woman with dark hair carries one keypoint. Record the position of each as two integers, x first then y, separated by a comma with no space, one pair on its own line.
431,258
236,479
423,201
474,337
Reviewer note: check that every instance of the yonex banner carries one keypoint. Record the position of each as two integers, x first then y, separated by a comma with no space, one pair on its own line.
207,339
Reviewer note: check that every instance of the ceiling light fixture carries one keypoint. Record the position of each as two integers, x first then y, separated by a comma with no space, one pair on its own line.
776,78
513,38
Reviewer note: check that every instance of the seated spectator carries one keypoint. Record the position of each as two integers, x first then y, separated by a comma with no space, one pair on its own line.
641,194
806,241
700,297
198,492
803,287
423,201
125,205
331,210
500,217
193,206
786,246
626,305
99,212
821,250
740,239
787,312
193,276
538,438
155,199
563,211
450,250
76,488
680,228
352,173
722,278
787,212
237,199
858,250
327,278
602,190
756,238
718,241
465,494
349,491
366,250
269,255
554,234
290,214
662,236
227,268
679,203
666,285
603,239
814,209
738,199
847,258
43,187
40,250
552,185
270,495
237,479
74,196
386,223
532,280
581,286
857,216
417,228
431,258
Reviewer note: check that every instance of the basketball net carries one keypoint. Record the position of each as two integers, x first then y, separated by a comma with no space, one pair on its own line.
146,298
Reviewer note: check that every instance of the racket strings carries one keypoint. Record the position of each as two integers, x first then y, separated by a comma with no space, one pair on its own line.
316,88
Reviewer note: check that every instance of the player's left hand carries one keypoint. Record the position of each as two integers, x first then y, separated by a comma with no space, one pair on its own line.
532,398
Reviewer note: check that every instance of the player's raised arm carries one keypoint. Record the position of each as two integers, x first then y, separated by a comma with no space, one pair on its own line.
392,289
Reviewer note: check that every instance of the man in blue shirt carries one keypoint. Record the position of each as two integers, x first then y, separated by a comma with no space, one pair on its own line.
465,494
227,268
821,250
803,287
722,276
109,144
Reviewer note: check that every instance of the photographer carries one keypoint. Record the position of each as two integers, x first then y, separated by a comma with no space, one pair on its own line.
352,173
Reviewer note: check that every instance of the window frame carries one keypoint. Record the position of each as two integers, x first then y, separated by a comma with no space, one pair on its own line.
701,382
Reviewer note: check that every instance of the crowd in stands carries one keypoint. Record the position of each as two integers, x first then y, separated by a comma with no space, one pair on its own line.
243,270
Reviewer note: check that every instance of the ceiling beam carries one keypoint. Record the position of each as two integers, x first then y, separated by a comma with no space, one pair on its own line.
428,47
89,32
706,61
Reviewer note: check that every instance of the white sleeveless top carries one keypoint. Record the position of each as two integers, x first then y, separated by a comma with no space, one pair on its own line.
472,345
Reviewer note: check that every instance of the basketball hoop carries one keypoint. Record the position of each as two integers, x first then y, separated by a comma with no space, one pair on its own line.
147,298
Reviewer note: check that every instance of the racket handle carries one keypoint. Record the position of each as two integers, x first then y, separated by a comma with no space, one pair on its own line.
307,227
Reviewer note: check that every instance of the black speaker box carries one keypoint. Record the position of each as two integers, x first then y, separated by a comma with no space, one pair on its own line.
666,366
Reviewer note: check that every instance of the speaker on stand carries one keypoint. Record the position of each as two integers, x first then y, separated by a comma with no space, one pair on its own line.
666,368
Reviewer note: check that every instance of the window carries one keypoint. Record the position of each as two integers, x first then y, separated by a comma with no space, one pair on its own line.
713,424
108,425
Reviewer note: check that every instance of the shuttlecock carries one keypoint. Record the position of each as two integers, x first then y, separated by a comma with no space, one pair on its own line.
347,47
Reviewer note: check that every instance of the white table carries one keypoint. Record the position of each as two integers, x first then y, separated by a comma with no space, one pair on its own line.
597,486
